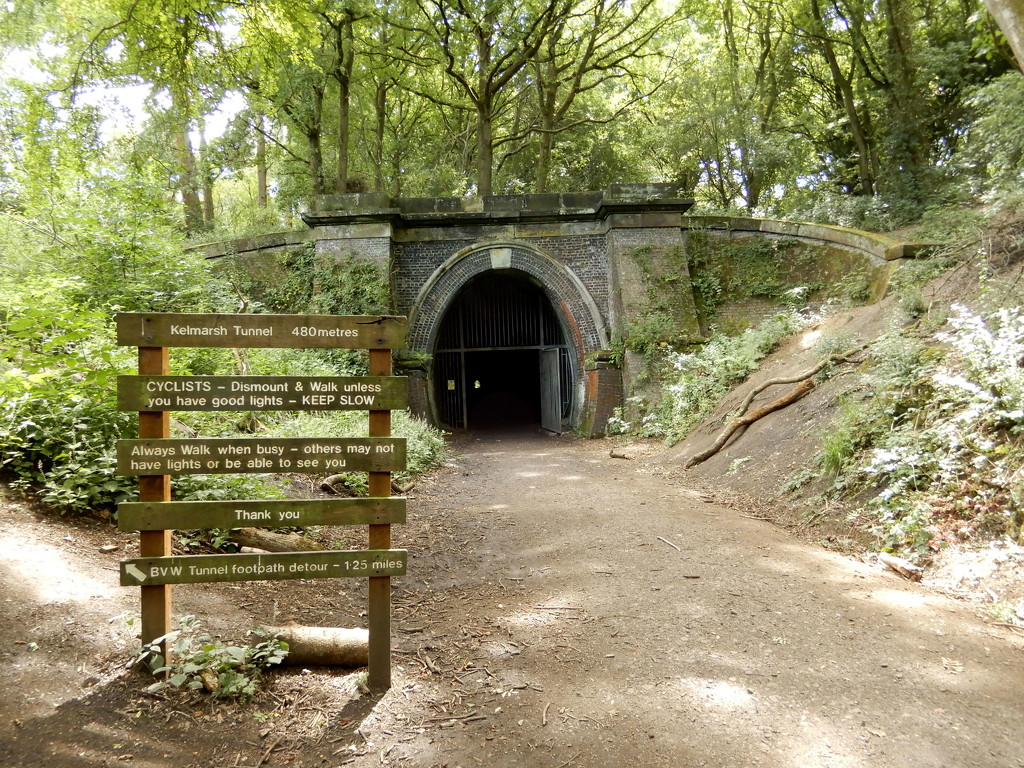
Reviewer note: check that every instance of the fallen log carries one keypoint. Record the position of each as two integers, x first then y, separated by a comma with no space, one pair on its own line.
336,484
838,358
904,568
273,541
742,421
324,646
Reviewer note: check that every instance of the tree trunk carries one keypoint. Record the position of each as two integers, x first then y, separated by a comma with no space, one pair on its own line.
753,179
547,88
484,107
547,141
313,141
844,89
187,181
262,198
207,178
1009,15
910,143
344,42
396,170
484,150
380,105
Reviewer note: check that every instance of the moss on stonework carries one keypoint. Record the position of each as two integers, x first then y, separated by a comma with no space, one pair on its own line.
726,270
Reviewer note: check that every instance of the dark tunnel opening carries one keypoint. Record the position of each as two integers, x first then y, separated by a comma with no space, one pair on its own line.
503,389
500,361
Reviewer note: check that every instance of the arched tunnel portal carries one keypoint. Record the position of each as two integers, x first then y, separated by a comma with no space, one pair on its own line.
507,329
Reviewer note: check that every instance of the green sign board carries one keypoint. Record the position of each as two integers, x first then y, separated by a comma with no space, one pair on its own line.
260,455
197,569
142,329
261,393
164,515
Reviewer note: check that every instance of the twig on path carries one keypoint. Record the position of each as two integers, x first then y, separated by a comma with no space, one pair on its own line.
544,714
556,608
428,662
470,718
1014,627
661,538
569,760
271,748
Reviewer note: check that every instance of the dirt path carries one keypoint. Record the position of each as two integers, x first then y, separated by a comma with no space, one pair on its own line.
744,647
569,610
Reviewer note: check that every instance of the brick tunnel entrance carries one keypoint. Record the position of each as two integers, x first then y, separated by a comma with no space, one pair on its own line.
501,360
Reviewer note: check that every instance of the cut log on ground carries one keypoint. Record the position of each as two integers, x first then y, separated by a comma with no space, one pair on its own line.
904,568
742,421
336,484
273,541
325,646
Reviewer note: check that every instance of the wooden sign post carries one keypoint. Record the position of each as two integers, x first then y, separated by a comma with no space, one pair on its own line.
156,598
379,587
154,457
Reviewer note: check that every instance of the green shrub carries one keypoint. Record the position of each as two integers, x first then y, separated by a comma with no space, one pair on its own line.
58,415
59,422
699,380
843,439
199,662
425,446
954,441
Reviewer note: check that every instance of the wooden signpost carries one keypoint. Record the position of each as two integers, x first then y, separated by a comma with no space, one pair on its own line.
154,457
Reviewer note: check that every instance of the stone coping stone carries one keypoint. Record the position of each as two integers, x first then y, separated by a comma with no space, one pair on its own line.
548,201
871,243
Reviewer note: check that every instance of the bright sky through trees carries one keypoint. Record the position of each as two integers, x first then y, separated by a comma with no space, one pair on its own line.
755,105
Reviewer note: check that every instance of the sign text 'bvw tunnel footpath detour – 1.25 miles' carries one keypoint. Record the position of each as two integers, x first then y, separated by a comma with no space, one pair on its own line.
154,457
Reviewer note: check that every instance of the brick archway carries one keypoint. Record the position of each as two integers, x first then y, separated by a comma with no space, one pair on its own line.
576,310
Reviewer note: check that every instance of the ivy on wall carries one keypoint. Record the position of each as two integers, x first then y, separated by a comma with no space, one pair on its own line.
725,270
660,323
717,275
303,282
782,270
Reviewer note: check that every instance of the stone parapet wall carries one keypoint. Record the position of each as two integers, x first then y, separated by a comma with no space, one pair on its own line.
868,243
645,197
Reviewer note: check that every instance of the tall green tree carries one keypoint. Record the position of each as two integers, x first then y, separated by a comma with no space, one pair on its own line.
481,46
598,42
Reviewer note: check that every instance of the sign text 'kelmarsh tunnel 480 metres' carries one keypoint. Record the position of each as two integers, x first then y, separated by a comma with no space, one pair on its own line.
266,331
260,455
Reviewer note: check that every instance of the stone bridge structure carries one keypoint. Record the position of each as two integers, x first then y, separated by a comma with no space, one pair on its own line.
518,305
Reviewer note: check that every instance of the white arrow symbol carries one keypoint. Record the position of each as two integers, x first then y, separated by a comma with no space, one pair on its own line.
132,570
